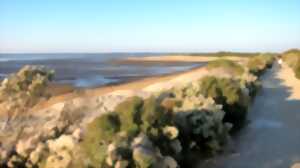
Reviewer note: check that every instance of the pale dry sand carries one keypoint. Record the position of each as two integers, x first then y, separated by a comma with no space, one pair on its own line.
286,74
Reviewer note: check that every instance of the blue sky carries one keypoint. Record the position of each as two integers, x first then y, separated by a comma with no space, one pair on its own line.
148,25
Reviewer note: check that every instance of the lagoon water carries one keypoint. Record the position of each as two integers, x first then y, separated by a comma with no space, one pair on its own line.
90,70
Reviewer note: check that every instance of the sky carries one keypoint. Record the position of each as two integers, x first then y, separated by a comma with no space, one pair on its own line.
148,25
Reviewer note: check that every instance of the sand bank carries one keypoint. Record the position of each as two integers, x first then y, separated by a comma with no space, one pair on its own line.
148,84
181,58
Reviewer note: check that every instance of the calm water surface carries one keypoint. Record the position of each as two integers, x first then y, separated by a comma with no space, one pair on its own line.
88,70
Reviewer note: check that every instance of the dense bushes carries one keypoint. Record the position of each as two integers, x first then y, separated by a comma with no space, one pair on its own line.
227,65
131,118
100,132
129,113
292,58
208,130
156,131
224,91
25,88
162,133
258,64
182,119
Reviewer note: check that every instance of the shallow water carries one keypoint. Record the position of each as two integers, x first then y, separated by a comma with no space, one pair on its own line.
272,137
88,70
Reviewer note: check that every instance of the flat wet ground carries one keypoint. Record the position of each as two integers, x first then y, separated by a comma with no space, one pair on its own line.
91,70
272,137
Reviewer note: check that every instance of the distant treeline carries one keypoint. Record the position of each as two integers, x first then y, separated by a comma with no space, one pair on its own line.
225,53
221,54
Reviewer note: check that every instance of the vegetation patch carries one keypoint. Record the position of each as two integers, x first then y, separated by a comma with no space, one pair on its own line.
227,65
292,58
99,133
258,64
25,88
227,92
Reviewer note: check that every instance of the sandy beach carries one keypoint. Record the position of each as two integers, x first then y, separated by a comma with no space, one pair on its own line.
149,84
181,58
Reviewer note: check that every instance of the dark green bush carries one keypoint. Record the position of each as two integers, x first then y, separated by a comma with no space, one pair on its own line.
98,135
208,130
227,65
130,114
227,92
153,114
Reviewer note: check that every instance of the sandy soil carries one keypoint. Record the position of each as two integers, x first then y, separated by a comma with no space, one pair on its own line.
181,58
149,84
286,74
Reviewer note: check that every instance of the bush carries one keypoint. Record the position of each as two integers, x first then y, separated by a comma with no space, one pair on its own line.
98,135
200,122
132,117
258,64
146,115
208,129
227,92
130,114
227,65
25,88
153,114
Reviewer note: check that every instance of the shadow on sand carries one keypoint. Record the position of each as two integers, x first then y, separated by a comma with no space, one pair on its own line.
272,137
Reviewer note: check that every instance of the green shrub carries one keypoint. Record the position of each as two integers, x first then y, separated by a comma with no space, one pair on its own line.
227,92
130,114
259,63
153,114
227,65
208,130
98,135
222,90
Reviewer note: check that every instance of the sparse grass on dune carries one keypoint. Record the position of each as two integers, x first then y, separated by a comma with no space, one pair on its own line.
226,65
259,63
292,59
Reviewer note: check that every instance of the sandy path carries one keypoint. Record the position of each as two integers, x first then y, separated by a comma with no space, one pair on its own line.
286,74
271,138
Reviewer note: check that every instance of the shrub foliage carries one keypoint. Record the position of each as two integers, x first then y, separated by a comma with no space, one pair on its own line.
25,88
227,65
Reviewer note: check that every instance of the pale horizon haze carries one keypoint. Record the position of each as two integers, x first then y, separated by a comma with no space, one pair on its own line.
42,26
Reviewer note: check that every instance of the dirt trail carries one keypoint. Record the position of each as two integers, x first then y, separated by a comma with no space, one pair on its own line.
272,137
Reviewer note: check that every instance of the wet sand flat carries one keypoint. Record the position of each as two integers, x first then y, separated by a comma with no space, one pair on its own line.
271,139
150,83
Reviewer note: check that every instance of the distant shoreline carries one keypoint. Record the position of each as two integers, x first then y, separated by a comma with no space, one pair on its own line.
178,59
